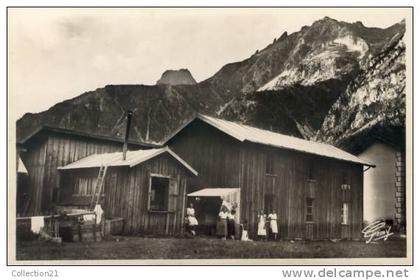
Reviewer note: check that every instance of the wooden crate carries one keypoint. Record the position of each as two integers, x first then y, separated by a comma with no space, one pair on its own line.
87,232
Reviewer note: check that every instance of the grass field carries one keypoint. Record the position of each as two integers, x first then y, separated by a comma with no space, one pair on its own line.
205,248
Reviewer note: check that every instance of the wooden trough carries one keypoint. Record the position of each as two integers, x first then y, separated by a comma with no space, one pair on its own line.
69,227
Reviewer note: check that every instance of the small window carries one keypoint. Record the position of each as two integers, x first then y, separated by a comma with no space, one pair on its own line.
345,178
82,186
310,188
309,210
345,192
345,214
269,166
159,193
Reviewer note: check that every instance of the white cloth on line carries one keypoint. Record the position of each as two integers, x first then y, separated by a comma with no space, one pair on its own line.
89,217
98,210
37,222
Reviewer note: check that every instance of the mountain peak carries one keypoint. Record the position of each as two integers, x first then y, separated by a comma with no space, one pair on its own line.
326,19
176,77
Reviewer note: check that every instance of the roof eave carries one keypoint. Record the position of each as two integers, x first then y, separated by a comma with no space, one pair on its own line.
83,134
314,154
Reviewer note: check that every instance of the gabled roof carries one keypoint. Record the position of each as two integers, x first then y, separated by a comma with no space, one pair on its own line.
82,134
393,136
265,137
133,158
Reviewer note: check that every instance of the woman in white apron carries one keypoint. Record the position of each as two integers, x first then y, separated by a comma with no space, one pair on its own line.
262,232
273,224
221,229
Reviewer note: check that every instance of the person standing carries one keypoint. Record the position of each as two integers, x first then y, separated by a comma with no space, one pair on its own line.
191,219
231,224
221,227
273,224
262,231
244,233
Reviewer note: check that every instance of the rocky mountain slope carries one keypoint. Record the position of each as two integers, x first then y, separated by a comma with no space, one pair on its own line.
374,102
297,100
176,77
289,86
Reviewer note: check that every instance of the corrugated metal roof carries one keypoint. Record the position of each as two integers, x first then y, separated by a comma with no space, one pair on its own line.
83,134
265,137
214,192
133,158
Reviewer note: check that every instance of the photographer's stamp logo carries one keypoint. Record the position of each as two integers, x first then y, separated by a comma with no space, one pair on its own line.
376,231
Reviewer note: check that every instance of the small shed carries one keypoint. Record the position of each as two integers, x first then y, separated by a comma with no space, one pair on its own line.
147,189
47,148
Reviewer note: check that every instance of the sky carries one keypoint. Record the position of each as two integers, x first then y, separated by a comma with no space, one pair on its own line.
57,54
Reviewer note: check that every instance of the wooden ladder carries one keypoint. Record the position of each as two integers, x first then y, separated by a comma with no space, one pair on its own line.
98,187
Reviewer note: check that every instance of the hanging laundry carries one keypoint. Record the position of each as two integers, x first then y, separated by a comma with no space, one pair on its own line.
98,210
88,217
37,222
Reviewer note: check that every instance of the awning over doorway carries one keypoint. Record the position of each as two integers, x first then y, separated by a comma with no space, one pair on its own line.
230,196
215,192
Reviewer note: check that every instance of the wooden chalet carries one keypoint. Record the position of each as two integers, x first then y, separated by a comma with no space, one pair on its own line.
147,189
48,148
316,189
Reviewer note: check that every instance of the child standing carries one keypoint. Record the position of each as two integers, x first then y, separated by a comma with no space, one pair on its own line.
191,219
244,234
273,224
231,224
262,232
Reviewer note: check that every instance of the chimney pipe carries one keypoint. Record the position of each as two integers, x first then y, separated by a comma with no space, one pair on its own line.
127,132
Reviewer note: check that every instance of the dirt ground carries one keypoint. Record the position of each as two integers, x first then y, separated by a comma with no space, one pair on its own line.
205,248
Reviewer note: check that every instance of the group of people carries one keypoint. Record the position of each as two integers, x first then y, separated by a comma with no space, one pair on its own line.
225,227
228,228
267,225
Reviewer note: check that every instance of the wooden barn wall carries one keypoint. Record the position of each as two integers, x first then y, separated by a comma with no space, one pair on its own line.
214,155
34,160
44,156
222,161
288,185
127,191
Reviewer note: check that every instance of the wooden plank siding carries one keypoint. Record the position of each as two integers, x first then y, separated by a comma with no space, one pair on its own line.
126,194
211,153
47,152
222,161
